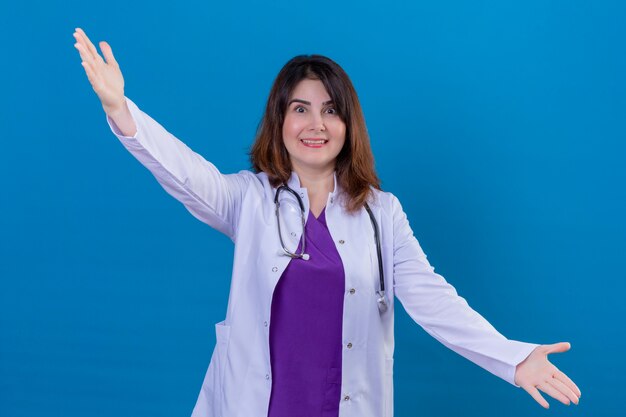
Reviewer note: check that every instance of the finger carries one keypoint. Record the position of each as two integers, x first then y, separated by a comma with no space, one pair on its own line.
92,49
80,40
564,389
553,392
537,396
89,72
84,54
108,53
92,75
90,46
565,379
558,347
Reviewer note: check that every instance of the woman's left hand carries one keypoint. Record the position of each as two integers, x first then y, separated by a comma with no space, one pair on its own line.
536,372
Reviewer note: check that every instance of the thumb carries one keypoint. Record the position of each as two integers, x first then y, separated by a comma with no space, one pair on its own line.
107,52
558,347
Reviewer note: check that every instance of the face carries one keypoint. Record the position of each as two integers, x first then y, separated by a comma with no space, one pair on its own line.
313,132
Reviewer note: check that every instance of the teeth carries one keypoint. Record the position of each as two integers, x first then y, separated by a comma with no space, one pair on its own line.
314,142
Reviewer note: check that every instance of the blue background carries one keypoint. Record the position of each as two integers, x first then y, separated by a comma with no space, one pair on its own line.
499,125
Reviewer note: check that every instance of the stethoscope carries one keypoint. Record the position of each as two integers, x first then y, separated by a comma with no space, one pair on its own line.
382,303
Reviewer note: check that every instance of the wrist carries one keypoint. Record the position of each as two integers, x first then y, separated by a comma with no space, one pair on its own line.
116,109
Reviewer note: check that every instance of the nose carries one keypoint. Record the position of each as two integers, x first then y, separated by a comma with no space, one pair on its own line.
317,122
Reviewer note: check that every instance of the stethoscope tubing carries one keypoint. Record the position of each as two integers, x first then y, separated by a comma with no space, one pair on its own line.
280,235
382,304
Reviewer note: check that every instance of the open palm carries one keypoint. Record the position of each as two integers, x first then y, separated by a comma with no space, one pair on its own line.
105,76
537,373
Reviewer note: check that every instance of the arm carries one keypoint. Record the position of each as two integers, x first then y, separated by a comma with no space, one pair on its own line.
435,306
122,119
212,197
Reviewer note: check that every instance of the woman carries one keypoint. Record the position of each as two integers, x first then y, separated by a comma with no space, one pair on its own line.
320,253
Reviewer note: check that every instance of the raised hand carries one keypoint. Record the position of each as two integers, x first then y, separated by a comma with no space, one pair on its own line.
105,77
537,373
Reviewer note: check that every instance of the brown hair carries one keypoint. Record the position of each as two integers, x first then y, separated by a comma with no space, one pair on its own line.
355,162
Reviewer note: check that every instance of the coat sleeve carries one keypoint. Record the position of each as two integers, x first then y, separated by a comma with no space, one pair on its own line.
212,197
435,305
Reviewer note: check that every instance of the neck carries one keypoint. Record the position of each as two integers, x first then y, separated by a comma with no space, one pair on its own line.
316,181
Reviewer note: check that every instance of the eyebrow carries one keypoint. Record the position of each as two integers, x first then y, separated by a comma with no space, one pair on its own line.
298,100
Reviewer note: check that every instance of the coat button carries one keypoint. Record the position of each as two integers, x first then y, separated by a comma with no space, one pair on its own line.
274,269
349,345
346,398
352,290
341,241
302,195
332,200
293,234
267,376
265,323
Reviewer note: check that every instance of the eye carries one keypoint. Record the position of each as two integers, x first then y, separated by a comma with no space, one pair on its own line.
299,109
331,110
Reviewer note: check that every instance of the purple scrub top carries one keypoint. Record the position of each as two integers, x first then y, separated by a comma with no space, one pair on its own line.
305,329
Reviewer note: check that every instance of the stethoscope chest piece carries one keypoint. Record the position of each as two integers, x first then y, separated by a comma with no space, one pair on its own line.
381,301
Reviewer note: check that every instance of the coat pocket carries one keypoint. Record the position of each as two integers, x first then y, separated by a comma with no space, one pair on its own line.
222,335
209,403
388,388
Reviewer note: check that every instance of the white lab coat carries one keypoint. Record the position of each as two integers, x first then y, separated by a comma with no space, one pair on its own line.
238,381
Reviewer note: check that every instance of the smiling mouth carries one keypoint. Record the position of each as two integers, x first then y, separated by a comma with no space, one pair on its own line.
314,142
